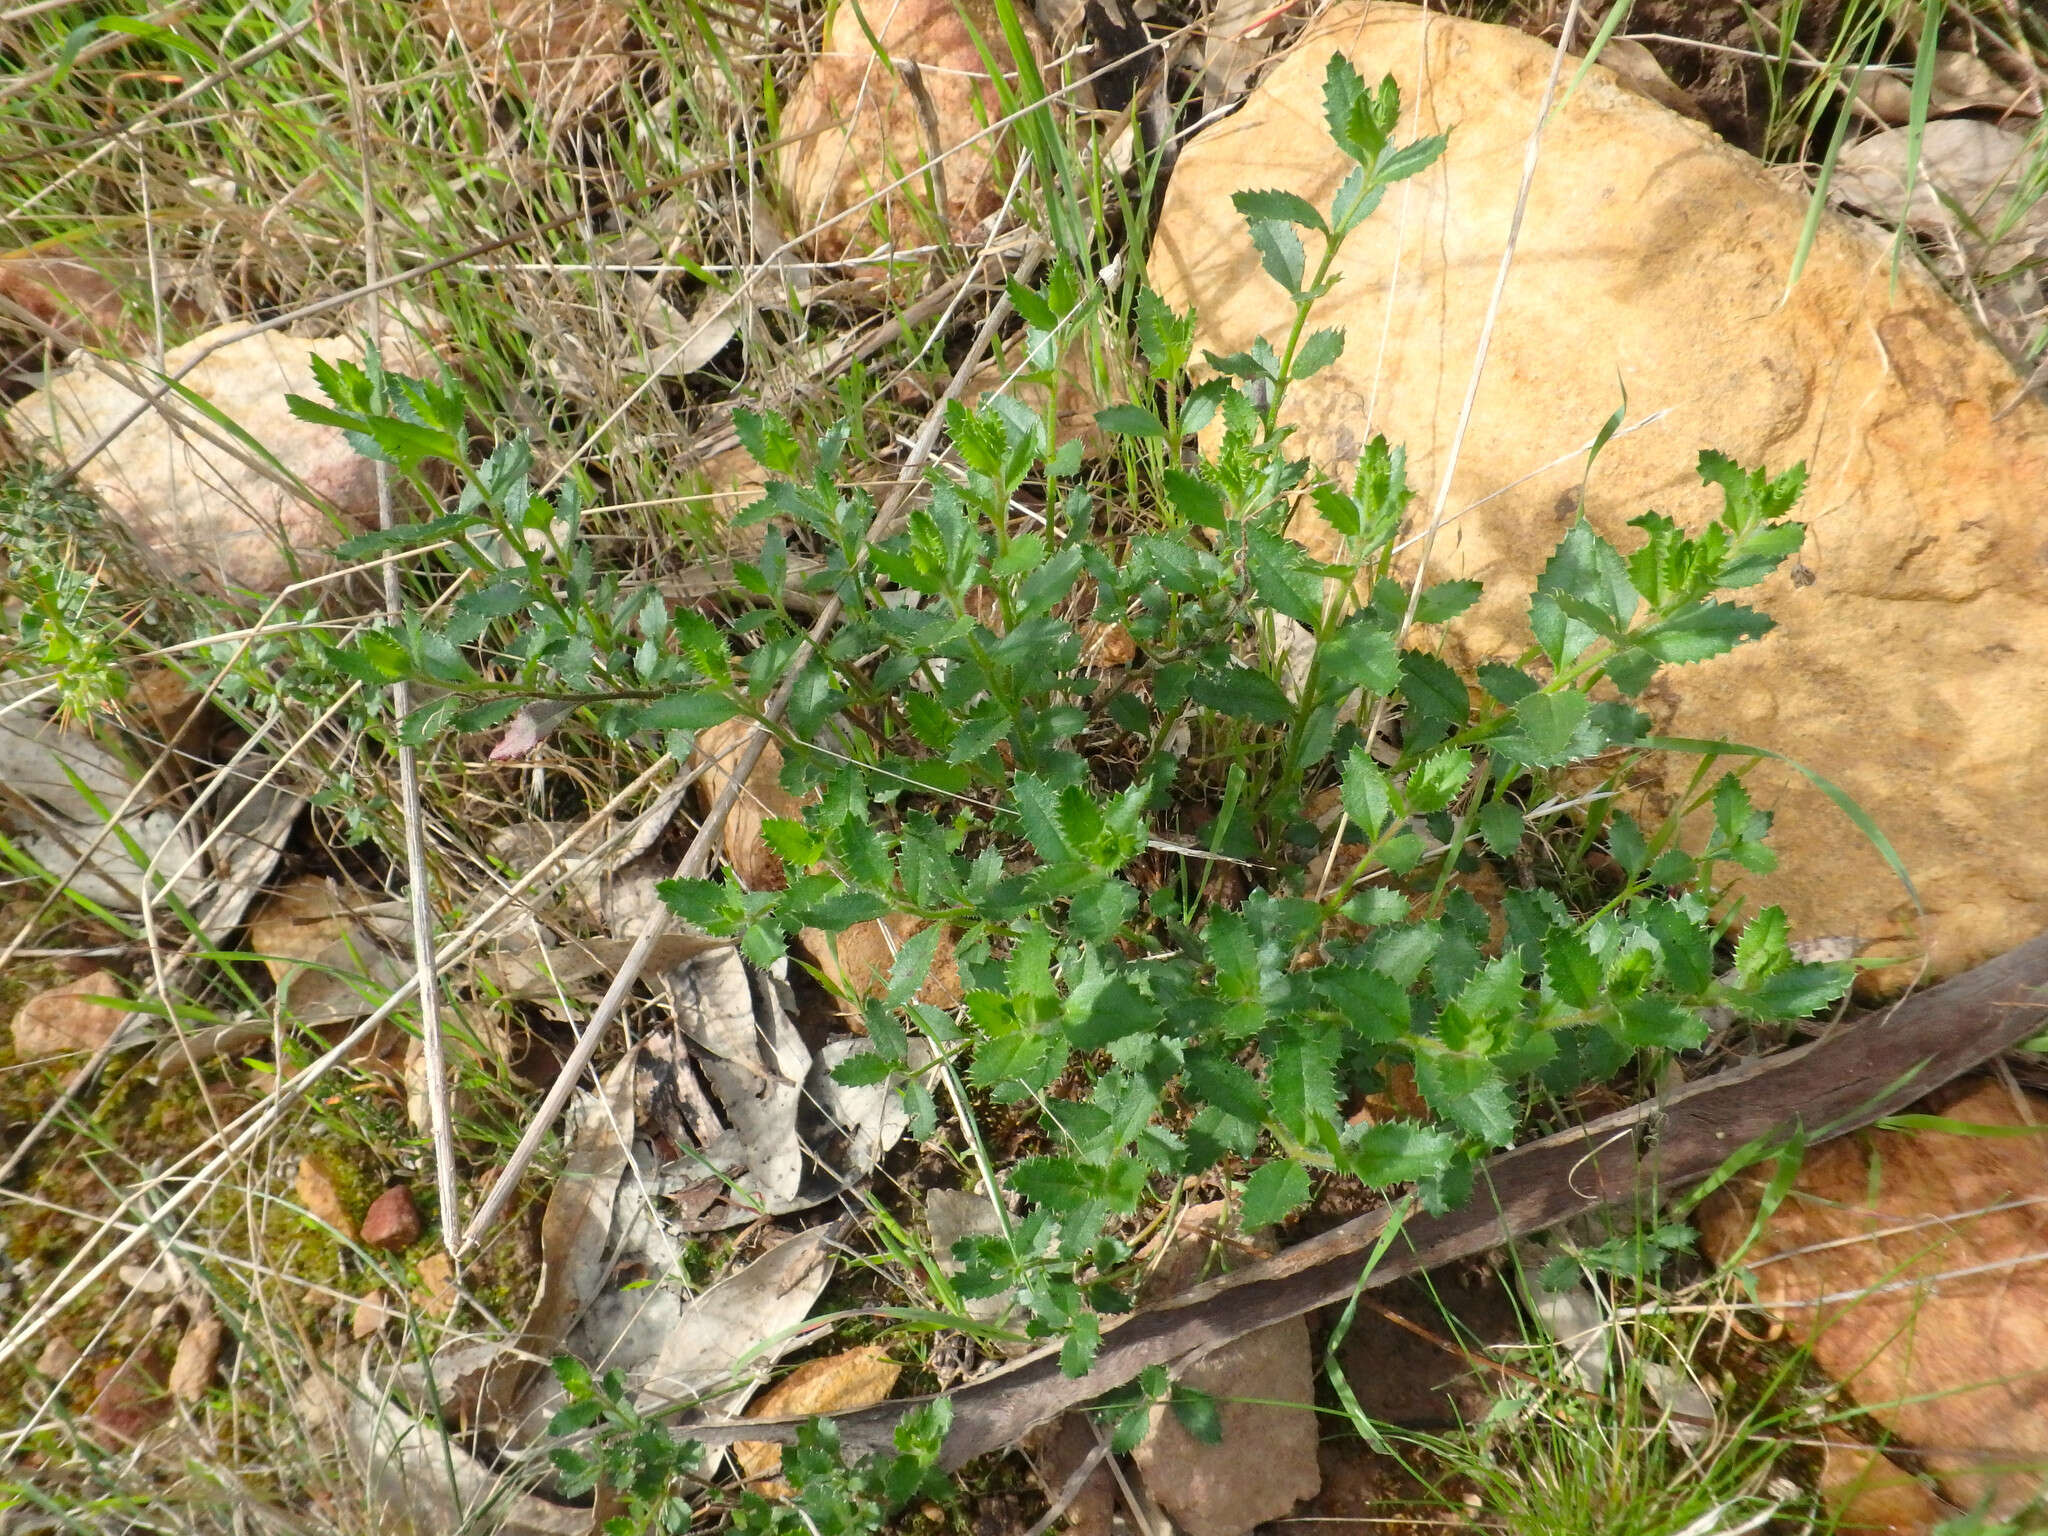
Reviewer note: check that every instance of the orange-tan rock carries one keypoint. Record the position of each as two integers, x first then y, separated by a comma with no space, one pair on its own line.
856,127
1911,667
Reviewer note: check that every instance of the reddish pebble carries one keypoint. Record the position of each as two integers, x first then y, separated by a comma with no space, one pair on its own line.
392,1221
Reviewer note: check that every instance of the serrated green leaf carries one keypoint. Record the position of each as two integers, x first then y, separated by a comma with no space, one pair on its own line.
1317,351
1765,946
1398,1152
1280,252
1362,655
1500,826
1574,975
1712,629
1284,577
1129,421
686,712
1437,779
1273,1192
1284,207
1241,693
1301,1081
1467,1091
1797,991
1367,793
1443,602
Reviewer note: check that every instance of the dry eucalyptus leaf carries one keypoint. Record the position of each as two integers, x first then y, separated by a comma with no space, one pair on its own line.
756,1063
71,297
575,1230
732,1332
1639,70
51,777
857,1378
718,753
332,958
475,1042
73,1019
1909,1262
318,1195
707,1349
438,1291
669,344
421,1483
1962,82
564,56
198,1359
1236,37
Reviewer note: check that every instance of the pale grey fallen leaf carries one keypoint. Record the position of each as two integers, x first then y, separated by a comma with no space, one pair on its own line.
710,1349
1969,183
671,344
53,777
1235,41
575,1233
1962,83
533,725
418,1482
951,1214
1692,1412
1572,1317
1831,950
756,1063
732,1332
865,1120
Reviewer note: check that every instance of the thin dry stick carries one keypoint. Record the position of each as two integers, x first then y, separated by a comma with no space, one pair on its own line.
418,878
698,856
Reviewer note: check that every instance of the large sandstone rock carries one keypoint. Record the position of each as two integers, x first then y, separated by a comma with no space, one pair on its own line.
1909,1262
211,510
854,127
1912,668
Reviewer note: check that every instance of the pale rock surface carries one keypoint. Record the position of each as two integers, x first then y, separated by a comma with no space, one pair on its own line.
69,1019
564,56
1266,1461
854,128
211,515
1910,669
1909,1263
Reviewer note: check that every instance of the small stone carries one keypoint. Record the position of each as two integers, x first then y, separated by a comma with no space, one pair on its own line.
69,1020
129,1399
393,1221
437,1294
317,1193
198,1359
57,1358
371,1314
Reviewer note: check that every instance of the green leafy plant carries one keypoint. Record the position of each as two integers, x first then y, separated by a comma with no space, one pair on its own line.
642,1461
1204,904
639,1459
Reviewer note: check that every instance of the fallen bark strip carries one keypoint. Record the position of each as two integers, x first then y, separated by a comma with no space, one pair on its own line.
1840,1083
